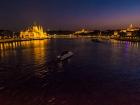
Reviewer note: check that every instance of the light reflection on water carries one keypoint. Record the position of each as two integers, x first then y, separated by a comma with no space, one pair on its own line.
125,43
37,48
24,56
106,71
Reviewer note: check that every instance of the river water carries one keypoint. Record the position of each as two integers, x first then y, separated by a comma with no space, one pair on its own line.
106,73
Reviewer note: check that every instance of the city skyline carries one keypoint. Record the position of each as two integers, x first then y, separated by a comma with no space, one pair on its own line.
69,15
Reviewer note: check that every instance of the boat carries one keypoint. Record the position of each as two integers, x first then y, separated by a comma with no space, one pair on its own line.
65,55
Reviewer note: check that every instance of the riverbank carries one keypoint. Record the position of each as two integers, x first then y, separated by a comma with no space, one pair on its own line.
17,40
50,37
20,40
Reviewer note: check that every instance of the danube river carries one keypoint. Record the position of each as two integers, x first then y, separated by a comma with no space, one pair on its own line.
106,73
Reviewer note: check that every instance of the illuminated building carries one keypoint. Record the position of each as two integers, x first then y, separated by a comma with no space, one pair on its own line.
33,32
83,31
116,34
6,34
128,32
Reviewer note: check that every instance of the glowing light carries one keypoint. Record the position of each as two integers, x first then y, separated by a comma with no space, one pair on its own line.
34,32
82,31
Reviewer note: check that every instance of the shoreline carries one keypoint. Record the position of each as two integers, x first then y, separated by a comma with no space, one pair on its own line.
16,40
135,39
56,37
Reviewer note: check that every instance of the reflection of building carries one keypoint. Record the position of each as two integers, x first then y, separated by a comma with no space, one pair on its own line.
33,32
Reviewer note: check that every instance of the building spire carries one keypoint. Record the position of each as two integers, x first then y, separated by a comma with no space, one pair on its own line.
131,26
33,32
34,23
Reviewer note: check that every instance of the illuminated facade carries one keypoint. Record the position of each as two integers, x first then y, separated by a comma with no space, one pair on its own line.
116,34
128,31
82,31
33,32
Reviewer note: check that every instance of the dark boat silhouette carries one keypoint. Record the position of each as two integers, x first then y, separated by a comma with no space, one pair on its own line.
65,55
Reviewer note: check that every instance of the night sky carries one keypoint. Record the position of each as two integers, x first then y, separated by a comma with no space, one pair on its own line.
69,14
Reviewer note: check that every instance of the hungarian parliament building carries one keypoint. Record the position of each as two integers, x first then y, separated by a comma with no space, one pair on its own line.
34,32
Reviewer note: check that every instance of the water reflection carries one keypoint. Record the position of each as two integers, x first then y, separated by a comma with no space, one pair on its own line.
28,56
99,71
23,45
116,43
9,46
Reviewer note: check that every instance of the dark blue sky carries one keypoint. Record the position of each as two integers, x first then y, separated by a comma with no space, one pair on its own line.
69,14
